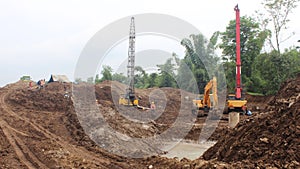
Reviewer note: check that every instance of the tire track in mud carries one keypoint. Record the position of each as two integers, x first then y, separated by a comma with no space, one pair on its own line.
22,151
19,145
14,145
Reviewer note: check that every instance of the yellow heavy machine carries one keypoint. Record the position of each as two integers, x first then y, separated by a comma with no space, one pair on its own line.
209,101
128,100
236,102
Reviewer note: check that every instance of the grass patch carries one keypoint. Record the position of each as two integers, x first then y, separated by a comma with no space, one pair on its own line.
255,94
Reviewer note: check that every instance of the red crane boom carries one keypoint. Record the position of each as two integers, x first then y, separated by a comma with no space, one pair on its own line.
236,102
238,87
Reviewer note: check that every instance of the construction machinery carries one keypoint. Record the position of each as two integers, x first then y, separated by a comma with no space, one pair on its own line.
237,102
129,98
209,101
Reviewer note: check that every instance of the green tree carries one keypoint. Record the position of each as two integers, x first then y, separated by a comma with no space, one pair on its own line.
97,79
278,13
152,80
119,77
271,69
106,73
167,75
251,42
293,58
185,78
230,74
140,77
199,53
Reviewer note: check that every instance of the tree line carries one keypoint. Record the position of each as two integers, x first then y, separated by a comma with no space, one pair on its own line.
264,65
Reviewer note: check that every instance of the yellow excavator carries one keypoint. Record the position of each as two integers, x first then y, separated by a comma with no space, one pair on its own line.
203,105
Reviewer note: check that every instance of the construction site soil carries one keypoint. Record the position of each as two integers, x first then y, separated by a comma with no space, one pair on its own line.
39,128
271,138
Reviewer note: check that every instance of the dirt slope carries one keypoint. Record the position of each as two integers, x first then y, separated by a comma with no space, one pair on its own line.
270,139
40,129
41,139
258,103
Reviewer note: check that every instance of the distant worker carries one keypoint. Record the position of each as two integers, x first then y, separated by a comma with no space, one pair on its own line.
152,106
30,84
43,82
39,84
244,109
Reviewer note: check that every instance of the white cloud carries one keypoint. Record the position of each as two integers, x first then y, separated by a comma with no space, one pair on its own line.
39,37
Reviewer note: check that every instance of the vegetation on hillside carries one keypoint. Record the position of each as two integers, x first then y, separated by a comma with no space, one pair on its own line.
264,65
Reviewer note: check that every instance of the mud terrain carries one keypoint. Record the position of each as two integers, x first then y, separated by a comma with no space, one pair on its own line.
271,138
40,129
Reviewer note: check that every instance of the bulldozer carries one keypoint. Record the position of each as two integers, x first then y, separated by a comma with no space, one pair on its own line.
201,106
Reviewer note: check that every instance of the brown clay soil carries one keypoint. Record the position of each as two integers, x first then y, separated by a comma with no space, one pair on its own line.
258,103
269,139
40,129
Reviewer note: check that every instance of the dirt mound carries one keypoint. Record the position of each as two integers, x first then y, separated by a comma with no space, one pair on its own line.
48,136
269,139
49,98
258,103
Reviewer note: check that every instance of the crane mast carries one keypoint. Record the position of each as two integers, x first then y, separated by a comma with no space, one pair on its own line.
131,60
238,87
130,99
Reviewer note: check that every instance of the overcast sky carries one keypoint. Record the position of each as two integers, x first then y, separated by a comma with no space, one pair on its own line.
40,38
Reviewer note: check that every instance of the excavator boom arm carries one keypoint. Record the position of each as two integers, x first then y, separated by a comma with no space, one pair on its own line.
207,89
211,85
